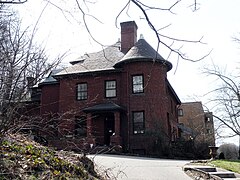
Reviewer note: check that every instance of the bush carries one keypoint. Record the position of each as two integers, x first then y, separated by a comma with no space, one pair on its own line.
188,149
228,151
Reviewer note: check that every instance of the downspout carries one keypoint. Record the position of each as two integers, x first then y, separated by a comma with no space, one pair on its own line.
177,118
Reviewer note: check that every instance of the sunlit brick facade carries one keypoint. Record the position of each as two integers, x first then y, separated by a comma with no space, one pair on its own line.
117,96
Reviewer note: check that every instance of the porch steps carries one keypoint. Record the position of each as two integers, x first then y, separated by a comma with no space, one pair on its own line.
222,174
215,173
207,169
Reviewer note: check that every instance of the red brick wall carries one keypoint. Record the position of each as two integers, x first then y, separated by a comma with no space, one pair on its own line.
96,95
49,99
96,91
128,35
194,118
98,129
155,101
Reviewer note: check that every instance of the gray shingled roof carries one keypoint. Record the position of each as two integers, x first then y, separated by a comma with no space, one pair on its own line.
142,51
111,58
50,79
109,106
98,61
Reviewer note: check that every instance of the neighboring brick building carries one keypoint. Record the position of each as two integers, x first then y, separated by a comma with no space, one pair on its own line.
117,96
196,124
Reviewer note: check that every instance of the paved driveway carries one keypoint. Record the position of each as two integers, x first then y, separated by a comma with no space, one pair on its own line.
140,168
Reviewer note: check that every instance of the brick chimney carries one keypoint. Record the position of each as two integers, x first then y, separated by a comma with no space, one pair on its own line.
128,35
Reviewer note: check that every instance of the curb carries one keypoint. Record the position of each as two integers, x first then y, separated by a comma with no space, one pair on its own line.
209,172
200,173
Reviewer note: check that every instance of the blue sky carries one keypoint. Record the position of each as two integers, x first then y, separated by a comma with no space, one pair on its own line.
217,21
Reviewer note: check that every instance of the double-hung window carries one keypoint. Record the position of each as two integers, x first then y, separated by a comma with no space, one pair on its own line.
82,91
138,122
110,89
80,126
137,84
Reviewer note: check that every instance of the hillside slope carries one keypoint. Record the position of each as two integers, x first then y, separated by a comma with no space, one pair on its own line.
21,158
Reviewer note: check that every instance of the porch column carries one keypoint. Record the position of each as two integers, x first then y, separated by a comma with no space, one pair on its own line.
116,139
117,123
90,138
89,125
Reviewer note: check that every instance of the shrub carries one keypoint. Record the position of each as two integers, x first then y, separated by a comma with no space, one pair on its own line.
228,150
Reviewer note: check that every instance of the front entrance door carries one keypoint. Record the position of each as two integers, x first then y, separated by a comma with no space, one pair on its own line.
108,128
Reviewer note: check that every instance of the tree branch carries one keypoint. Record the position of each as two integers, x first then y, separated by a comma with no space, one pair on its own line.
13,2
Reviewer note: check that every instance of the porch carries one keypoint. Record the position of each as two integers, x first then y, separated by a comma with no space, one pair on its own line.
104,124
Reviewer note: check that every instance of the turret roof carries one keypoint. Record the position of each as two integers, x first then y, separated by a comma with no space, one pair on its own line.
142,51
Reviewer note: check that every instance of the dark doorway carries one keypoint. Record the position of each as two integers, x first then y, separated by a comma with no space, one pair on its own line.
108,128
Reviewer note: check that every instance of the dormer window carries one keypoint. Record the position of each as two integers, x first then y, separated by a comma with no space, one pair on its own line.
137,84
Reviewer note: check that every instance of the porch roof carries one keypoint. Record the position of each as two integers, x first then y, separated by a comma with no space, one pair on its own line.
104,107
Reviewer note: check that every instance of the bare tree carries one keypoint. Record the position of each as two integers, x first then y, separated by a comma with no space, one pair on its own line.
172,44
12,1
168,42
226,101
20,58
145,7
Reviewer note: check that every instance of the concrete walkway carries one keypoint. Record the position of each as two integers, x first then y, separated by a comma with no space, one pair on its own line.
140,168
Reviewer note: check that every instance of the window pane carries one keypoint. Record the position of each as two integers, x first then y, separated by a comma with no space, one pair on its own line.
137,80
82,91
82,95
137,88
138,117
110,88
180,112
110,84
82,87
111,93
138,123
137,84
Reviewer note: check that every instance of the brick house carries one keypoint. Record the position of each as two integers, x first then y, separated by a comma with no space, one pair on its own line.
117,96
196,124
